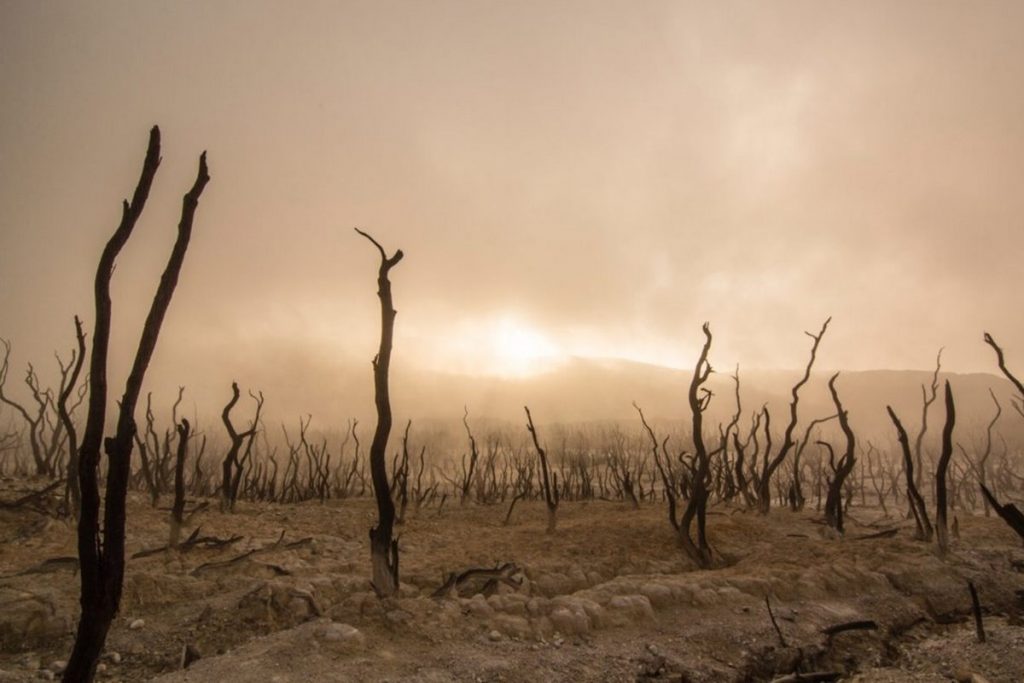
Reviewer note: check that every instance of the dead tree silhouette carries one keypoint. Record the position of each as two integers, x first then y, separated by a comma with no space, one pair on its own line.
764,491
697,498
941,527
842,469
928,397
916,502
549,488
101,552
1008,512
383,548
231,468
74,496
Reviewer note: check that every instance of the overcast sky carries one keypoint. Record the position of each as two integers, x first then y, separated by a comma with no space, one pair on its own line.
591,178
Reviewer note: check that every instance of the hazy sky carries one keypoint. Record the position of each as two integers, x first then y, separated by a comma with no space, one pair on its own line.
581,178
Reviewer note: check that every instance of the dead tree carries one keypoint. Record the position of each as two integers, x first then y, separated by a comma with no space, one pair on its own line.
548,488
764,491
35,423
73,491
474,455
1018,405
231,467
178,508
697,494
383,549
941,528
400,477
842,469
143,442
101,553
928,397
1009,512
916,502
980,465
796,493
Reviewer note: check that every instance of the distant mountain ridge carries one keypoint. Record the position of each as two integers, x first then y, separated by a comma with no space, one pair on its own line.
587,390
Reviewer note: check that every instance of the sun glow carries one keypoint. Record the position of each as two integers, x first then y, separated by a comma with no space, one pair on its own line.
518,349
504,345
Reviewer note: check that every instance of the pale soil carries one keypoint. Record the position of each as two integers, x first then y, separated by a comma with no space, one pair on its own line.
607,597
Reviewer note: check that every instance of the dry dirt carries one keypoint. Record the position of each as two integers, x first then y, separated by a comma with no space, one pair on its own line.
607,597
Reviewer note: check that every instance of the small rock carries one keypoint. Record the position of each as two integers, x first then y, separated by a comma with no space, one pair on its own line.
101,668
494,635
342,633
58,666
114,657
137,624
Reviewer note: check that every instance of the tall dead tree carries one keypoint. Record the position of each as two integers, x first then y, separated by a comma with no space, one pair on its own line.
383,548
916,502
550,491
73,490
941,527
178,508
231,467
697,495
928,396
101,552
764,490
842,469
474,455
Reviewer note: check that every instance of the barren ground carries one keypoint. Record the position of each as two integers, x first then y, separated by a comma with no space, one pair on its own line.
607,597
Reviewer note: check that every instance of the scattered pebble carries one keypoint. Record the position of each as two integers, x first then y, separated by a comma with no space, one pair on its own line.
137,624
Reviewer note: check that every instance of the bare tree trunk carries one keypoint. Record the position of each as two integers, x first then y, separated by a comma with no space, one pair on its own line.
696,504
927,399
834,503
941,529
178,509
917,506
74,489
764,491
101,555
550,490
383,549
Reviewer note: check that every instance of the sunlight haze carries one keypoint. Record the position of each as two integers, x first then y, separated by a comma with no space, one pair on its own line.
567,179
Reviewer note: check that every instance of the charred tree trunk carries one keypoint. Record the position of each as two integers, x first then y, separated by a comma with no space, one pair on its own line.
474,455
917,506
928,397
764,491
1009,512
231,468
101,554
178,509
74,490
941,527
550,491
833,502
383,549
696,505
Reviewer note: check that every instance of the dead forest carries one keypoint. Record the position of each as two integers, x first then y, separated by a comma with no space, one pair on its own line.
138,544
